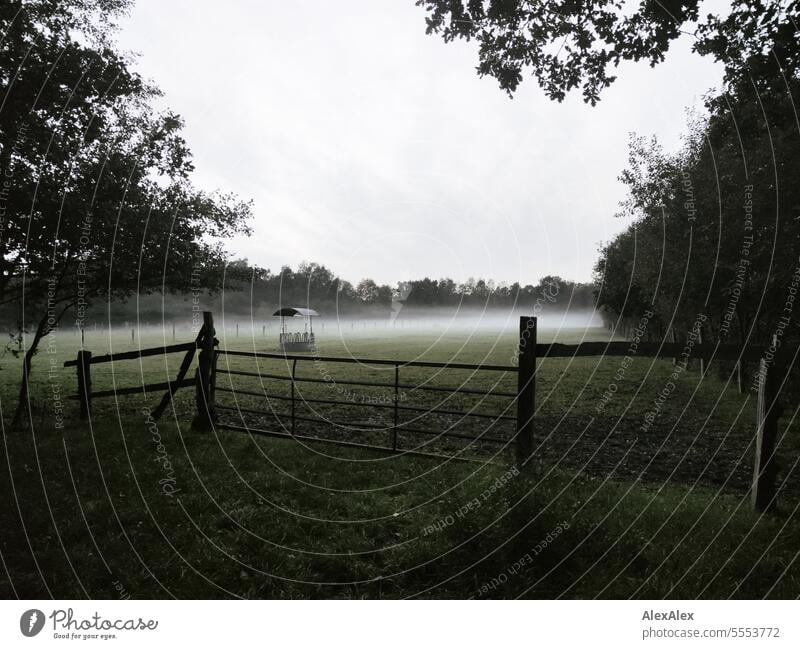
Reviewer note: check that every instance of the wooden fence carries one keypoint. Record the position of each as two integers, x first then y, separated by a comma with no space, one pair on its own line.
528,352
768,407
205,342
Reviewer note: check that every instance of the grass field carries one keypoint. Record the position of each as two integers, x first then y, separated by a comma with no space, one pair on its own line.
122,507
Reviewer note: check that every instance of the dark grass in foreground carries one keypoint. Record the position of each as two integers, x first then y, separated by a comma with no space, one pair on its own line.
269,519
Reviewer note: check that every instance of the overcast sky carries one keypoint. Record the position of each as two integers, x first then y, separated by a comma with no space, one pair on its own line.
376,150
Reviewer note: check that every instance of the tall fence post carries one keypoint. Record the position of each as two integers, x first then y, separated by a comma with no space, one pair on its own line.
764,469
206,413
740,375
212,387
294,369
526,388
674,340
702,354
396,399
84,370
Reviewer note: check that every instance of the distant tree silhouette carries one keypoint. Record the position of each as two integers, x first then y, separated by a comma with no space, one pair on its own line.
256,293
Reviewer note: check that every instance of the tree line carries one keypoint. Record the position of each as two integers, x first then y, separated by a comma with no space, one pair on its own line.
258,292
713,241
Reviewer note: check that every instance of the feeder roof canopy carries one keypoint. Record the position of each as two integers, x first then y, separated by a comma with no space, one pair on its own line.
295,312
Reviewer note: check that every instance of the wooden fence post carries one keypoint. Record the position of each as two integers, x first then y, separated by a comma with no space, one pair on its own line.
526,388
212,387
702,356
204,389
294,370
674,340
740,378
764,469
396,399
84,369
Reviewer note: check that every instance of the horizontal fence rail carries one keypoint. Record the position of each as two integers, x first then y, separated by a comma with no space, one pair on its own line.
338,442
170,386
137,353
374,384
363,426
379,406
373,361
663,350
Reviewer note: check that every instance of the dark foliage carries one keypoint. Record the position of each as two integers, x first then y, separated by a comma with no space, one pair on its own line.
96,201
567,44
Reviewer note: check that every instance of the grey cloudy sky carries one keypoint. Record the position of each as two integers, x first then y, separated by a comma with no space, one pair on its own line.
376,150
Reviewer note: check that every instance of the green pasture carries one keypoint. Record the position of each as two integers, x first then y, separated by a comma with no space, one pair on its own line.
121,506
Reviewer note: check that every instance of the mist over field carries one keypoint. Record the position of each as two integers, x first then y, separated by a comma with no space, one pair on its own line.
463,321
406,333
419,320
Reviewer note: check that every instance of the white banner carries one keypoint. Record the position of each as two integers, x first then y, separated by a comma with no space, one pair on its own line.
399,625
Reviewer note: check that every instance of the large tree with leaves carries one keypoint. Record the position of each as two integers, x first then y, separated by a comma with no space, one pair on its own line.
97,202
569,44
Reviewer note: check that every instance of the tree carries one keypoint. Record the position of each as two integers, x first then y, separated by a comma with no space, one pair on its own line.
384,296
97,200
367,291
568,44
715,225
758,42
423,292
